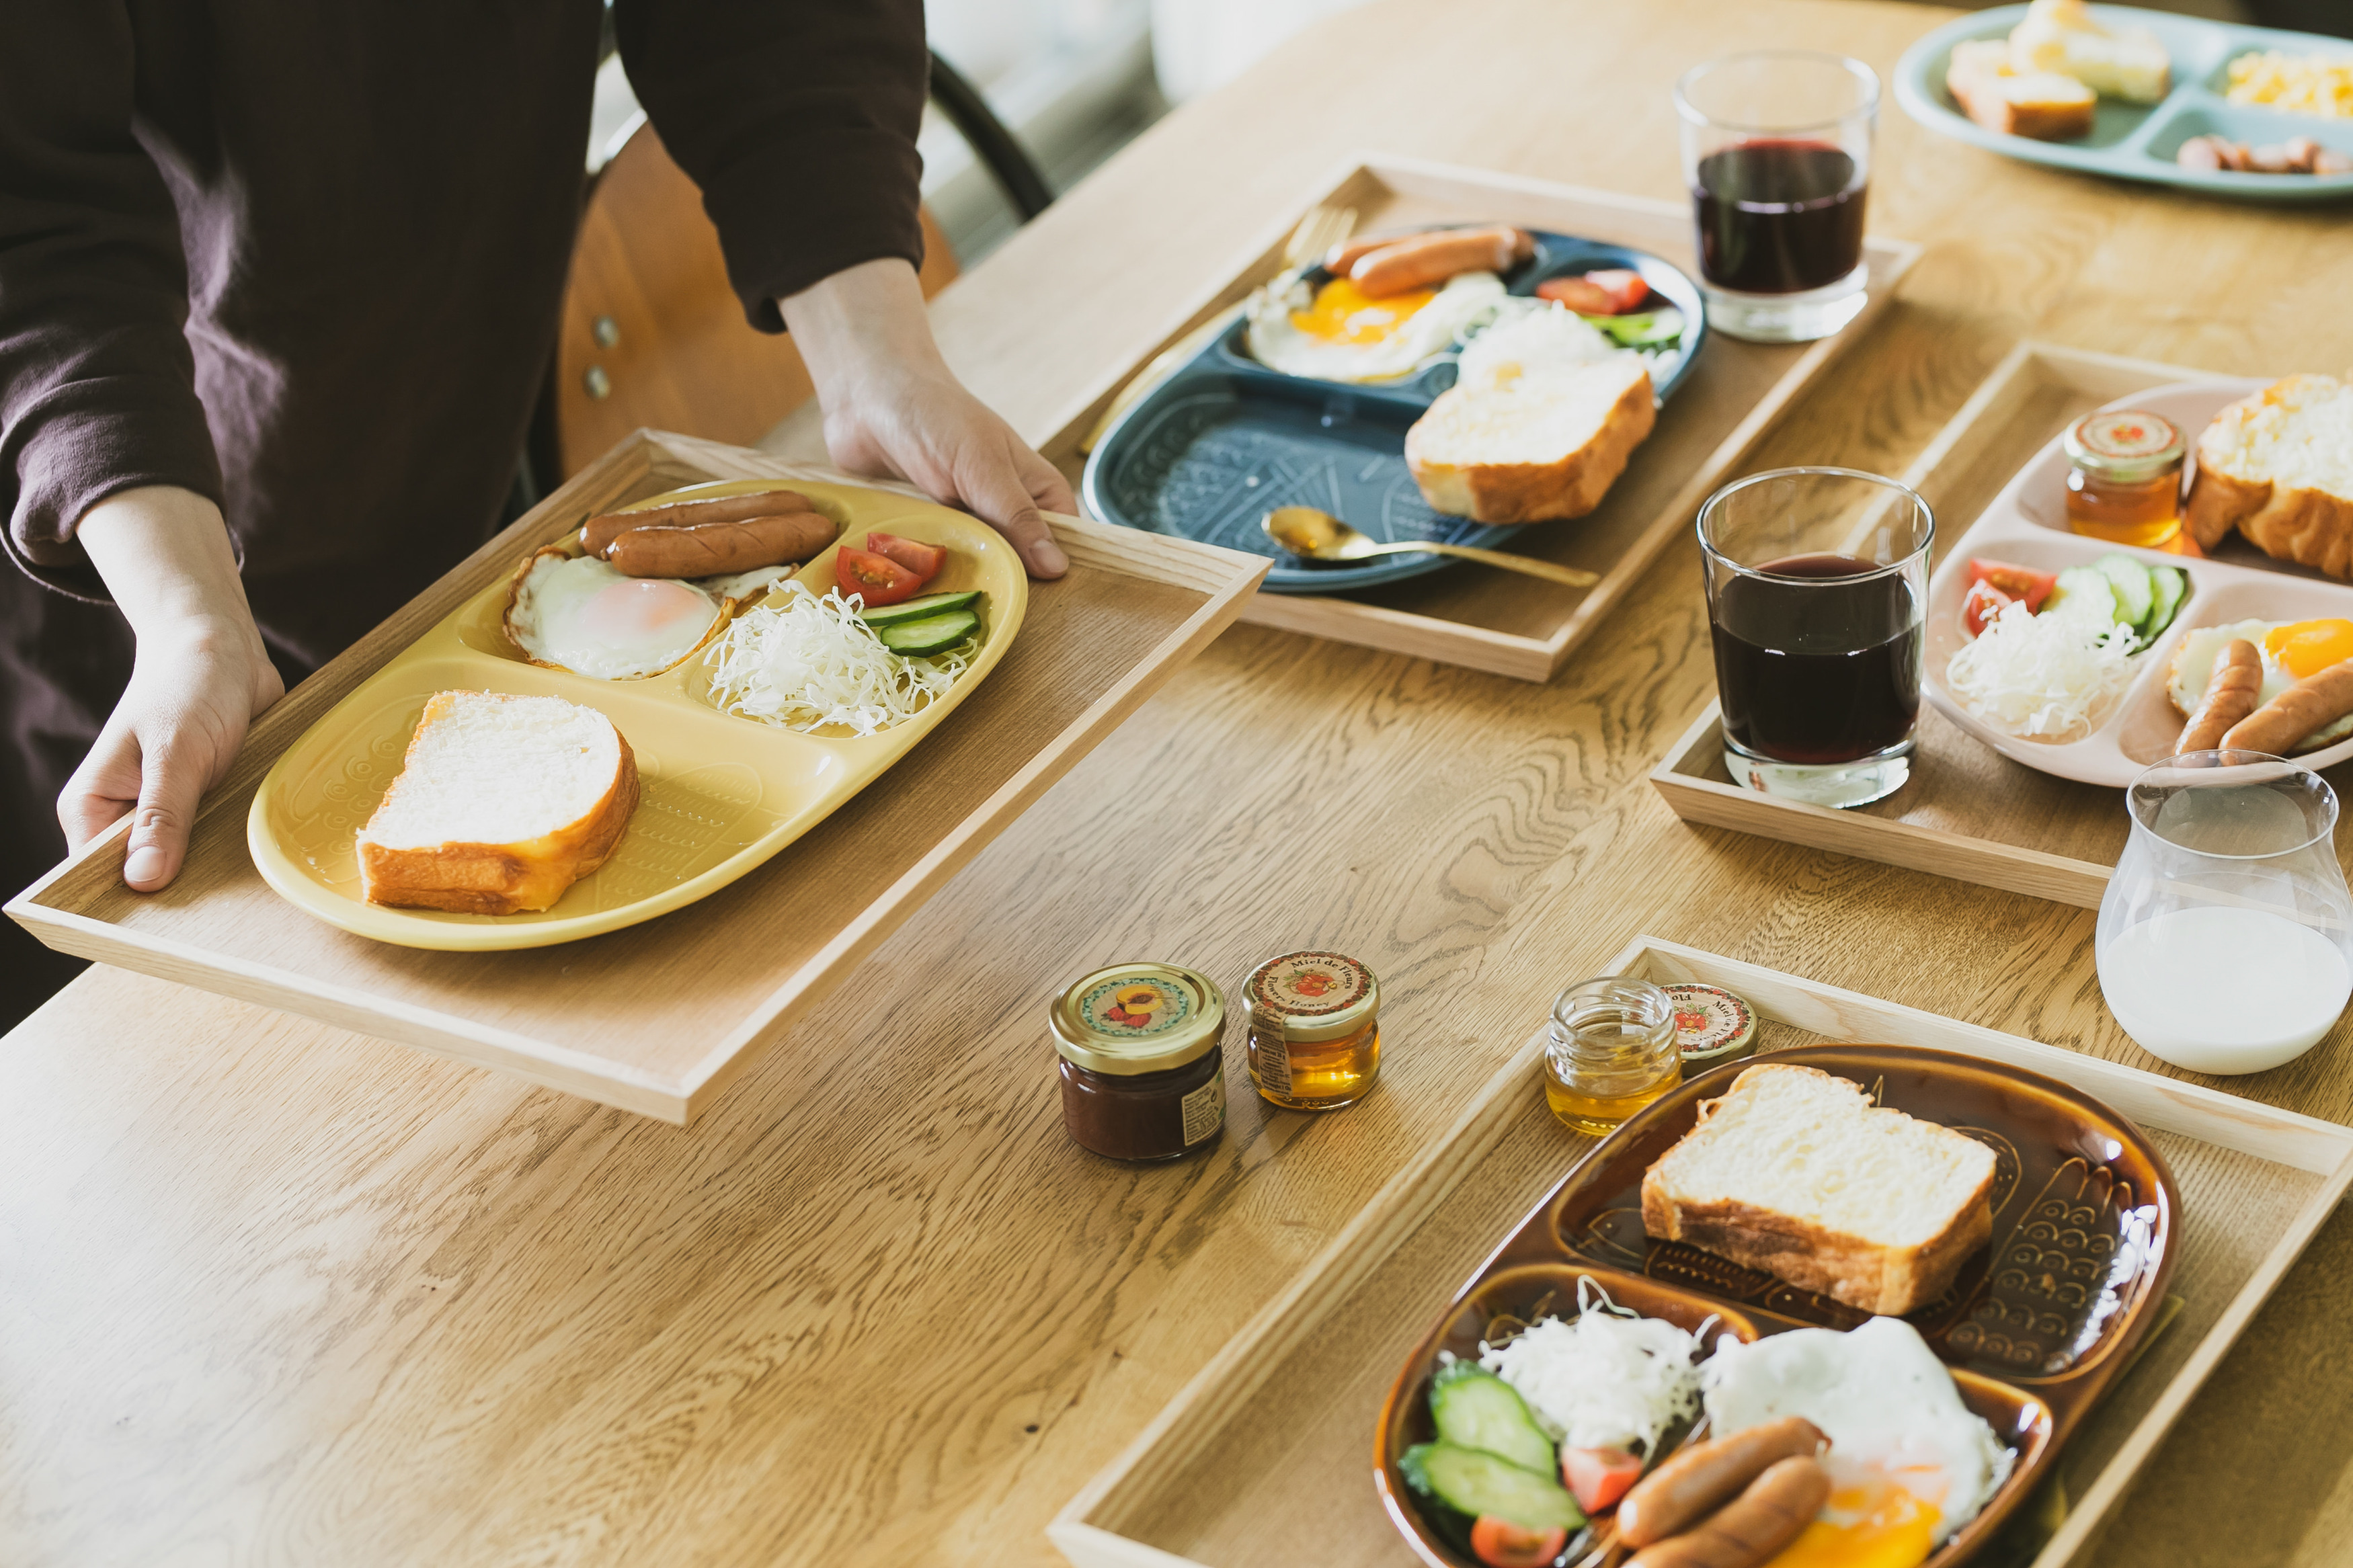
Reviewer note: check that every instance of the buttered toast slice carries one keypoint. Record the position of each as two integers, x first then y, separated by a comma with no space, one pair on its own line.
501,803
2045,105
1794,1171
2278,466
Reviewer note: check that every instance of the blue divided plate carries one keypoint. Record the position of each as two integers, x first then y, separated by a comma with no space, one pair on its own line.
1224,441
2136,140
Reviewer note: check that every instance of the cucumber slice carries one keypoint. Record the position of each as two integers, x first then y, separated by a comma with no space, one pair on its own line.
2135,593
1647,330
1476,1409
932,634
1472,1482
2170,585
2084,592
917,609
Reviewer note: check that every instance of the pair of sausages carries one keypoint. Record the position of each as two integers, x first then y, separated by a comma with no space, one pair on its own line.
2228,719
1733,1502
709,538
1383,265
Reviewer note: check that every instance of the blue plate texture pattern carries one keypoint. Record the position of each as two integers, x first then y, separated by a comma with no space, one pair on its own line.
1225,440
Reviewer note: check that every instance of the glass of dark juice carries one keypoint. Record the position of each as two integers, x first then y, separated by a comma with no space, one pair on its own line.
1777,150
1816,580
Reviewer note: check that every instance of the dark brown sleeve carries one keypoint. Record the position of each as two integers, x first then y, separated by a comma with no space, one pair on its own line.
97,384
797,118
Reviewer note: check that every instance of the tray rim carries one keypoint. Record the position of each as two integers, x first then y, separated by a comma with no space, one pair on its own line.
1678,776
50,907
1522,658
1190,1421
1919,95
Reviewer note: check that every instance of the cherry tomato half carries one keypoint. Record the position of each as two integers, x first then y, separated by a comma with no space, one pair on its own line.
1499,1543
877,579
1983,604
2016,582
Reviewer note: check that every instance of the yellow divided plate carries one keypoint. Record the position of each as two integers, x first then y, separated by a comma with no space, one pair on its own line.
720,793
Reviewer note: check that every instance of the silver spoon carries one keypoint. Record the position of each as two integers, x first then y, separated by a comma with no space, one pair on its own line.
1317,535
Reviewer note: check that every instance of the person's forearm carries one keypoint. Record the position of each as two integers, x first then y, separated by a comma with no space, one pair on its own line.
868,315
165,556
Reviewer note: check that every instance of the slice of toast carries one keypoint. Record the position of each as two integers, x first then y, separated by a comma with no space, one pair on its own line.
2278,466
1538,426
501,803
2044,105
1794,1171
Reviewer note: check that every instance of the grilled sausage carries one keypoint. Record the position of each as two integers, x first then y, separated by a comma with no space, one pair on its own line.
708,549
1703,1478
2295,713
1749,1531
1343,257
2230,691
601,532
1428,258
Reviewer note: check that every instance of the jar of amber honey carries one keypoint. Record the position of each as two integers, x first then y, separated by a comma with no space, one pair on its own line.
2124,482
1315,1030
1610,1051
1143,1069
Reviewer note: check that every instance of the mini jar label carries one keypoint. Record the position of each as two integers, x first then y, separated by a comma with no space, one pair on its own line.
1205,1110
1309,985
1135,1007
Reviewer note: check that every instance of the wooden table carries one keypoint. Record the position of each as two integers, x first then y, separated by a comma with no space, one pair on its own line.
273,1294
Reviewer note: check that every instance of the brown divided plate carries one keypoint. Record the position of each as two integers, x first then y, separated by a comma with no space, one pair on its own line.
2034,1327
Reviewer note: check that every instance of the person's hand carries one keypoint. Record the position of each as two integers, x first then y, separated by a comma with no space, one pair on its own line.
200,676
892,408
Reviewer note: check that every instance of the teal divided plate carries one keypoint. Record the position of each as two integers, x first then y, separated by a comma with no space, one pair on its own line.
2137,140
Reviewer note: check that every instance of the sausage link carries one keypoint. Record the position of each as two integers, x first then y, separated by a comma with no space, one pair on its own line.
2295,713
1749,1531
2230,691
600,531
1342,259
708,549
1427,258
1703,1477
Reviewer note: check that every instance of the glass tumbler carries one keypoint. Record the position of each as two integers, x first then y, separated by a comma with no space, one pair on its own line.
1610,1049
2225,942
1817,580
1777,152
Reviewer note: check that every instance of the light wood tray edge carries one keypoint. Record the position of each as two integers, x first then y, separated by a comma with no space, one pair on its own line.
1355,180
1681,778
51,908
1087,1531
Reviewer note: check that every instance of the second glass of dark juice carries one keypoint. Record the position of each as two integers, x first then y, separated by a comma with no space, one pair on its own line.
1815,584
1777,150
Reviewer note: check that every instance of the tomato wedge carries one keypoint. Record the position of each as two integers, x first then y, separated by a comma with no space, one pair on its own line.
1612,291
1625,288
1983,604
877,579
2022,582
923,559
1499,1543
1598,1476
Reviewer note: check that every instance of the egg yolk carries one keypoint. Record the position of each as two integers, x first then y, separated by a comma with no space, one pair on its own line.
644,606
2304,648
1871,1523
1343,313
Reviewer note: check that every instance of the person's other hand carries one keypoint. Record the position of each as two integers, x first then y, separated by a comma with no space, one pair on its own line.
892,408
200,676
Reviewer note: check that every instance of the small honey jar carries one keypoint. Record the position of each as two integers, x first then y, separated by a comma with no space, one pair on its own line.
2125,482
1610,1049
1315,1030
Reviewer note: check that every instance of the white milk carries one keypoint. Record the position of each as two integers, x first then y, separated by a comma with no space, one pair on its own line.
2224,990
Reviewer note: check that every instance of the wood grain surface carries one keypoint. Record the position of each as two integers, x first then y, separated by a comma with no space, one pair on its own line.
274,1294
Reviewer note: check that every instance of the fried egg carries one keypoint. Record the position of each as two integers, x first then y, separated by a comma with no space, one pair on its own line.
1909,1463
2291,650
1338,332
580,613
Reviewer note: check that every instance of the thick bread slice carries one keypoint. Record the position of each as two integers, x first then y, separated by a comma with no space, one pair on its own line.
501,803
1536,447
1796,1172
2278,466
2062,37
2044,105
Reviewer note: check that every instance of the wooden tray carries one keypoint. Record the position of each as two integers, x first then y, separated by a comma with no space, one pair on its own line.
1969,813
660,1017
1491,620
1264,1458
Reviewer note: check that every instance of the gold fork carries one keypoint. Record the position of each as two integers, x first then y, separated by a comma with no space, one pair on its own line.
1323,227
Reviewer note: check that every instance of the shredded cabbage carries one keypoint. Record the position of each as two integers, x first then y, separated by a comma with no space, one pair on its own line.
809,663
1605,1379
2051,678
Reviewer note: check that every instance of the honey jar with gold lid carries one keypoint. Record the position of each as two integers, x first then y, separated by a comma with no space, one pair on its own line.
1314,1038
2124,479
1142,1067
